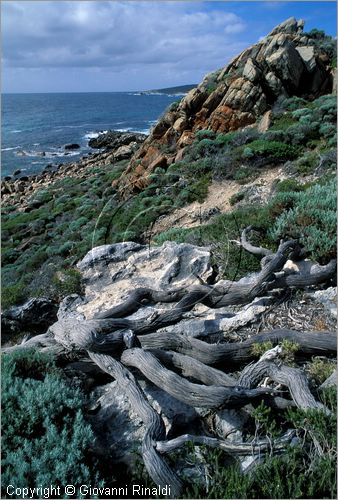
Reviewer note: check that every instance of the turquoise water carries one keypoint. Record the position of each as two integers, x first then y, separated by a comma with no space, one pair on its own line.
36,127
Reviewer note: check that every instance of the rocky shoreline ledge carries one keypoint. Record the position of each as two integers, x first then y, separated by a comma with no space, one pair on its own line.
113,147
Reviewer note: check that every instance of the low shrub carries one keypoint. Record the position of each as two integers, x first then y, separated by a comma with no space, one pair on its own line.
283,121
242,137
236,198
283,104
45,438
289,185
320,369
244,174
273,150
67,282
205,134
307,163
307,469
310,216
12,294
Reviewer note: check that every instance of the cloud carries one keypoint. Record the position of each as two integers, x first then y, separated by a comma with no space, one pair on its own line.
116,34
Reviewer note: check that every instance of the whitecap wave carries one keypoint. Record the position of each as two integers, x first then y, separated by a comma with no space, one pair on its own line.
135,130
47,154
10,149
15,131
93,135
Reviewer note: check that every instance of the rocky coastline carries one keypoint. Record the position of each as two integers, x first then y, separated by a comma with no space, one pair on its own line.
220,334
113,147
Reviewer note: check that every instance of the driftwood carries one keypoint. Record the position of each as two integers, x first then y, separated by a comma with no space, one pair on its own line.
189,369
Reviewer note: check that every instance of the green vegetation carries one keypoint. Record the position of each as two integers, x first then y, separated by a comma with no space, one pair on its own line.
274,150
289,185
232,262
301,131
309,215
287,355
236,198
42,421
306,470
40,246
320,369
259,348
73,215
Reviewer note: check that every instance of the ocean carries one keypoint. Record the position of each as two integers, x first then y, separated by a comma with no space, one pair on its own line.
36,127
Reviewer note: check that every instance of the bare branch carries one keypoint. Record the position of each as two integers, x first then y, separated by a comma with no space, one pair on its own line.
241,449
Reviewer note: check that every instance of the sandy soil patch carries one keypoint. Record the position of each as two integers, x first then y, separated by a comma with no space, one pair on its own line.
219,194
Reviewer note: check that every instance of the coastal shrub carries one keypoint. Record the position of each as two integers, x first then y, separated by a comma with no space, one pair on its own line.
276,135
283,121
201,148
288,185
307,469
320,369
57,229
236,198
232,261
42,422
76,224
224,139
307,163
204,134
244,174
273,150
67,282
12,294
327,130
302,134
318,117
328,160
174,106
197,191
242,137
283,104
310,216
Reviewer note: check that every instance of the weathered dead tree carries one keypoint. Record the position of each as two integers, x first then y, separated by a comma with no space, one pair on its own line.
195,372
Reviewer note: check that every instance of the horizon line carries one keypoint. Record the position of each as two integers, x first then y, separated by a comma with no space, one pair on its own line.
98,91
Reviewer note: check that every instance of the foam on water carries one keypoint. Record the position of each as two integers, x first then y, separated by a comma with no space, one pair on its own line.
47,122
10,149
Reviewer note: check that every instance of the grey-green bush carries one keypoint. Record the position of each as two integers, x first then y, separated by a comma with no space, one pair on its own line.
45,438
311,217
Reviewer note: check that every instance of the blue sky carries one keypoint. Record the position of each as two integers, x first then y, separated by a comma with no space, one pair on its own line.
94,46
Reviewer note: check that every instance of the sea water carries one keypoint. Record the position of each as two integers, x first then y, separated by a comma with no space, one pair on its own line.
36,127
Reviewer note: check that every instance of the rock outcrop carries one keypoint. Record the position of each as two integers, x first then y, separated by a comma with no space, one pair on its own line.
286,62
114,139
34,316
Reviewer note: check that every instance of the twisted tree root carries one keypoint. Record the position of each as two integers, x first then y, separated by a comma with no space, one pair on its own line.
239,449
191,394
156,466
226,355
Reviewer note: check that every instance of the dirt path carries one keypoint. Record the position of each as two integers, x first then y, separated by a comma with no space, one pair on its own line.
217,201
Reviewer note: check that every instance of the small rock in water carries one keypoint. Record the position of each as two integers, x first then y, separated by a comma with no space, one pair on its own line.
17,172
7,178
72,146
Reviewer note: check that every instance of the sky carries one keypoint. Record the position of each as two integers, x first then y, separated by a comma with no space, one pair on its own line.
107,46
